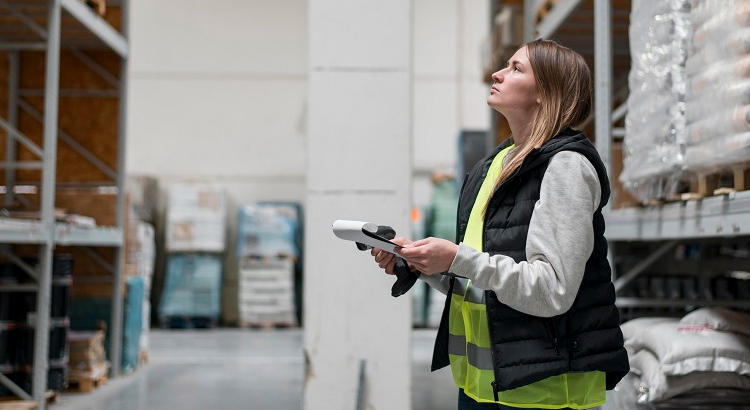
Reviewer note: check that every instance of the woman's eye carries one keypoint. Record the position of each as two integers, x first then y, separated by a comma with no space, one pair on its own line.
515,68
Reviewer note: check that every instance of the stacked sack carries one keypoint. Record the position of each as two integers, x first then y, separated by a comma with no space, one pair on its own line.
718,68
655,122
699,361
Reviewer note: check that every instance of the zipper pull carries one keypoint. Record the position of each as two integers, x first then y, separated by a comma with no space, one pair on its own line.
557,348
494,390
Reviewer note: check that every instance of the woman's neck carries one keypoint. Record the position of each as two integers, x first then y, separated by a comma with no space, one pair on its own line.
520,129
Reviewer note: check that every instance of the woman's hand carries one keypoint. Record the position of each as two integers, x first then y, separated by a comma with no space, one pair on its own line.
387,260
430,255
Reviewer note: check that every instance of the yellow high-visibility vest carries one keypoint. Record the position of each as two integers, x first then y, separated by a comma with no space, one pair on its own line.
469,341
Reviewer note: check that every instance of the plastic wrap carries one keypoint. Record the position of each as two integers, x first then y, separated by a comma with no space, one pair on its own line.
267,230
655,125
718,98
196,218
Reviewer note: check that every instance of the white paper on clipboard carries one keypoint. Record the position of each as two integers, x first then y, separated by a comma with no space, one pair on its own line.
362,232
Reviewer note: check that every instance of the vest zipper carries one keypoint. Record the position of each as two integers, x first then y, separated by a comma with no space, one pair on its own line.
557,348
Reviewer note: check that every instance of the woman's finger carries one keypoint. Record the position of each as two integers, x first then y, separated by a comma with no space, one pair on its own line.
383,257
385,262
390,267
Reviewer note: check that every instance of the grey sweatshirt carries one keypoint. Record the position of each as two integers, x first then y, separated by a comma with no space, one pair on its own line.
558,245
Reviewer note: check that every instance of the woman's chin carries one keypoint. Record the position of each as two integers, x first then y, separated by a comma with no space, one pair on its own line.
493,103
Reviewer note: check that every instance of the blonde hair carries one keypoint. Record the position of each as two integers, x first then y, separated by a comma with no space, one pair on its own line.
563,83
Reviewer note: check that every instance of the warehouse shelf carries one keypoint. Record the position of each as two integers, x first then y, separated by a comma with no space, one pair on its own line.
49,26
106,33
629,302
711,217
598,30
32,232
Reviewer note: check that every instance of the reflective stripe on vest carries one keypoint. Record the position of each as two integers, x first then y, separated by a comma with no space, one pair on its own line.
469,342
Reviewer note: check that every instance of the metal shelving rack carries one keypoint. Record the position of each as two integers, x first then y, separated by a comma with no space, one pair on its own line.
725,216
46,232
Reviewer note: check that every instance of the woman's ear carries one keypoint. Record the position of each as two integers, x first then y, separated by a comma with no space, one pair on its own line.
538,101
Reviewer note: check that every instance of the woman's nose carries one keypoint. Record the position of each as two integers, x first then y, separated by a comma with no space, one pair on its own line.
497,76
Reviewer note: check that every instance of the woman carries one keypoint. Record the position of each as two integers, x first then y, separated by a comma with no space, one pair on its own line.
530,319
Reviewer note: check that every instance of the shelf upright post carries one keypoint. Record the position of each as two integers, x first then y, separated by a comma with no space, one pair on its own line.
603,80
10,141
117,287
529,9
603,95
51,84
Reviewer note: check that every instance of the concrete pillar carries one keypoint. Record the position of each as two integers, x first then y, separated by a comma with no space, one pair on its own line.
358,167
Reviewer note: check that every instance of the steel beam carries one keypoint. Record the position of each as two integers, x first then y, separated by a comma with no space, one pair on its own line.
529,9
21,165
117,285
619,112
10,141
603,81
21,264
51,84
97,25
98,259
627,302
643,265
73,93
559,13
13,132
4,380
16,46
31,24
96,67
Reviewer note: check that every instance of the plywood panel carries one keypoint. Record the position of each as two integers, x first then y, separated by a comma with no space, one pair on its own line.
90,121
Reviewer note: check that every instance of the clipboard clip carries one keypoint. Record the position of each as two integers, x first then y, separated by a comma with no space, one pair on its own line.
405,277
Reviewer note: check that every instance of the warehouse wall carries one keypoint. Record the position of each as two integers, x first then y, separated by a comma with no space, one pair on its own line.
449,95
211,98
207,87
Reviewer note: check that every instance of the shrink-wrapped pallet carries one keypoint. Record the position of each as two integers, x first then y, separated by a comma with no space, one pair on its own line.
718,99
655,123
196,218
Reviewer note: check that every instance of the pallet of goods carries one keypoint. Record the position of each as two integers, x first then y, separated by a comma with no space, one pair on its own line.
688,121
266,293
192,292
653,155
195,242
88,365
196,218
268,250
717,153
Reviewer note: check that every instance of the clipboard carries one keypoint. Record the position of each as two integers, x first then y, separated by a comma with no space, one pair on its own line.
364,233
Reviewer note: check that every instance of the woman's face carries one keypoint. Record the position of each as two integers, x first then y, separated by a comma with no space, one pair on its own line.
514,88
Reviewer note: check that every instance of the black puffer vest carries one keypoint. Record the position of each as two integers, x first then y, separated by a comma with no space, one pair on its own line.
527,348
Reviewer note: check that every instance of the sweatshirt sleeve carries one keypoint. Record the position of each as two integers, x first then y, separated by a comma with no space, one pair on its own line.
441,283
558,245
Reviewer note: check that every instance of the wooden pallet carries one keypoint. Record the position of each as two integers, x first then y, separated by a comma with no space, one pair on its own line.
12,402
188,322
142,357
247,324
704,184
87,381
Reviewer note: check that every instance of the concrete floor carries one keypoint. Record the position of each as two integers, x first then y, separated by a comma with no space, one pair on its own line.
234,368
